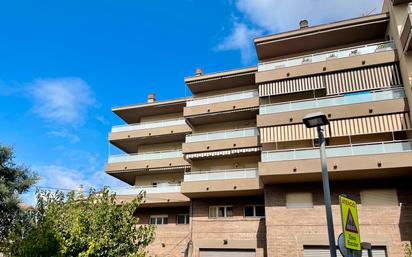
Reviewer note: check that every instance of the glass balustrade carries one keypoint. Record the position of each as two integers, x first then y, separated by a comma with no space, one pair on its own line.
222,98
350,98
169,188
221,174
145,156
329,55
225,134
338,151
148,125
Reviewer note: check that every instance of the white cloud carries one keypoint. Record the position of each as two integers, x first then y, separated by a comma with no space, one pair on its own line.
240,39
273,16
62,100
63,133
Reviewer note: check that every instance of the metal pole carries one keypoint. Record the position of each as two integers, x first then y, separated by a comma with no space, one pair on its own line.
326,193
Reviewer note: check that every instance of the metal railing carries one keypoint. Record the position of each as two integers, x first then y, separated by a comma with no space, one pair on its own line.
224,134
338,151
147,125
349,98
221,174
222,98
145,156
328,55
169,188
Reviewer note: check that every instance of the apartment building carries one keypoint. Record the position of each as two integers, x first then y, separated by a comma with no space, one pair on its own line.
233,171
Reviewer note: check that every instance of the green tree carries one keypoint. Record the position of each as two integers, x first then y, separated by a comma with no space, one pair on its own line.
408,249
14,181
92,226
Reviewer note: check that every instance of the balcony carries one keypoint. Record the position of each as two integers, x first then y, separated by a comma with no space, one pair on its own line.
127,137
127,166
148,125
328,55
233,106
160,195
406,32
145,156
369,28
219,140
381,159
169,188
357,104
221,183
220,174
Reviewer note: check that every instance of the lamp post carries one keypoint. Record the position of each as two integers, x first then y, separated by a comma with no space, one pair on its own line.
318,120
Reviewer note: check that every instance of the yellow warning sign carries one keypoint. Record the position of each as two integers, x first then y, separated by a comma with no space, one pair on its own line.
350,223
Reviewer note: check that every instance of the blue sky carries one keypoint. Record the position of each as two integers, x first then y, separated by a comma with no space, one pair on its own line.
64,64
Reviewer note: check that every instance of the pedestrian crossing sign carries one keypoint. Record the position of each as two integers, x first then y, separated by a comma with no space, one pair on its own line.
350,223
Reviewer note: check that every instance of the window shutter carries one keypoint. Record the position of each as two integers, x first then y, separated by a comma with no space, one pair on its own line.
299,200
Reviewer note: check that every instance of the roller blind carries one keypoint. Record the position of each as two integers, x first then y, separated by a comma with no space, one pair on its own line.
299,200
379,197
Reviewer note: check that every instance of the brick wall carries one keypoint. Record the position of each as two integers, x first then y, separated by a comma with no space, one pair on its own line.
171,240
237,230
288,230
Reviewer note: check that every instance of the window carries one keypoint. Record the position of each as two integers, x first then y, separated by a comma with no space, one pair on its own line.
158,219
379,197
254,211
220,211
182,218
299,200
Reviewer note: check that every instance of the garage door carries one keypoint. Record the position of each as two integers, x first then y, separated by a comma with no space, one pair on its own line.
227,253
324,252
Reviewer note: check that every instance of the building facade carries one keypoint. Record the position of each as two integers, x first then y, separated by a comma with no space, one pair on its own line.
233,171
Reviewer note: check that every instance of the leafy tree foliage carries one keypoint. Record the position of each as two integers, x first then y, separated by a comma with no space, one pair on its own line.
92,226
14,180
408,250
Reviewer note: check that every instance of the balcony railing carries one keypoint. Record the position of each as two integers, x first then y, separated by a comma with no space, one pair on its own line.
222,98
351,98
329,55
225,134
169,188
221,174
338,151
145,156
148,125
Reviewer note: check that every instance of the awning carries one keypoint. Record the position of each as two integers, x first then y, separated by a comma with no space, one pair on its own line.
363,79
344,127
337,83
222,153
291,85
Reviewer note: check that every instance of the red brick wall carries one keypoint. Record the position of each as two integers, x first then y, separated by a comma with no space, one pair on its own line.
288,229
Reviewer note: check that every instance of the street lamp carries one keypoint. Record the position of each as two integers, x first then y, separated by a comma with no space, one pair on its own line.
318,120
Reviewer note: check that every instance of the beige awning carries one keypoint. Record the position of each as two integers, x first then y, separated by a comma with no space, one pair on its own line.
222,153
344,127
337,83
291,85
362,79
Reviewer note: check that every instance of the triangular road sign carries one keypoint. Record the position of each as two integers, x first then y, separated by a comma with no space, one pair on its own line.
350,223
